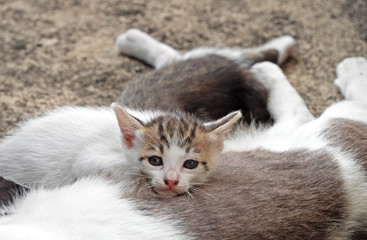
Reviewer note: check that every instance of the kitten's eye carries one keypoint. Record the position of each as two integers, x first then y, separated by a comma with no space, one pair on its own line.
190,164
155,161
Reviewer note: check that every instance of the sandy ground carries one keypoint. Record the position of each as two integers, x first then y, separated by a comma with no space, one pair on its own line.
61,52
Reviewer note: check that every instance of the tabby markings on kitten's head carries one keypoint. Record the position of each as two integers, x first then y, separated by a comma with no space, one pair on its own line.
176,150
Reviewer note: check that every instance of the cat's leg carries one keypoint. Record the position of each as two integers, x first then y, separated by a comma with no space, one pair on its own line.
285,105
276,50
140,45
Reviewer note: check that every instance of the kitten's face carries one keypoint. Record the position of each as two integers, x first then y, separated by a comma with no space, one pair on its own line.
175,150
178,154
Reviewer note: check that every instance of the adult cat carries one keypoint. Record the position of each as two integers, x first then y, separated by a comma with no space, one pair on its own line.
299,179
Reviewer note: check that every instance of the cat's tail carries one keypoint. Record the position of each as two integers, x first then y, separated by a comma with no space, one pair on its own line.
276,51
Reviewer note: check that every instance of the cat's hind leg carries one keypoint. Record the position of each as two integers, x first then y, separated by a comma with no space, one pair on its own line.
140,45
284,104
276,51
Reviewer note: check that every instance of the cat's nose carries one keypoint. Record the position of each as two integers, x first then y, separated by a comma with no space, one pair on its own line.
170,183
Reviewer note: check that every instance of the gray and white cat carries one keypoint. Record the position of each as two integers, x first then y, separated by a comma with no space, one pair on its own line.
302,178
208,82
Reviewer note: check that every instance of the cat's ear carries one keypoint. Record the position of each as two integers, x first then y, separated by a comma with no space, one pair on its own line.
225,124
128,124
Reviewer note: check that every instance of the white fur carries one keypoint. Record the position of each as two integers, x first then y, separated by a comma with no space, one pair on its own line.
89,209
352,77
140,45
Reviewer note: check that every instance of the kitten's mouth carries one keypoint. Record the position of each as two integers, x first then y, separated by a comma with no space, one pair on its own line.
167,192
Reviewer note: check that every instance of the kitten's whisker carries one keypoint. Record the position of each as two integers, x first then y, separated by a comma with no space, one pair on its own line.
201,192
136,174
201,184
143,187
190,195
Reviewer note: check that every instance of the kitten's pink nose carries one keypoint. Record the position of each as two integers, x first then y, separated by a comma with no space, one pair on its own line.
170,183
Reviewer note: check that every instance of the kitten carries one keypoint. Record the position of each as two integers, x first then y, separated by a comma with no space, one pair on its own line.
172,150
208,82
312,186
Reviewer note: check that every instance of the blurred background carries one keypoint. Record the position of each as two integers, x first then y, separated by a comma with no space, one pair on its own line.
56,53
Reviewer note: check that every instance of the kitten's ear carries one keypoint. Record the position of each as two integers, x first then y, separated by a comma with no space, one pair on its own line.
224,125
128,125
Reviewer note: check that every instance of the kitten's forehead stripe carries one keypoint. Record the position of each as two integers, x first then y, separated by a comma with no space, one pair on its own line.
181,129
170,126
165,141
187,144
185,124
192,135
160,128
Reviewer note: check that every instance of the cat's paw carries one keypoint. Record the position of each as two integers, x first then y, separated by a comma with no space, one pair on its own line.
140,45
352,78
284,45
132,42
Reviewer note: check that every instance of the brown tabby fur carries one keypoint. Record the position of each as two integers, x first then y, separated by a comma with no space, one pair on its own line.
188,132
209,87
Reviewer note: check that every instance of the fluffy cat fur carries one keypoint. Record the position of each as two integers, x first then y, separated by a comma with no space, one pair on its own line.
311,186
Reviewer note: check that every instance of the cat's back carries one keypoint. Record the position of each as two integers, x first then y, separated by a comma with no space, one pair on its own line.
210,87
